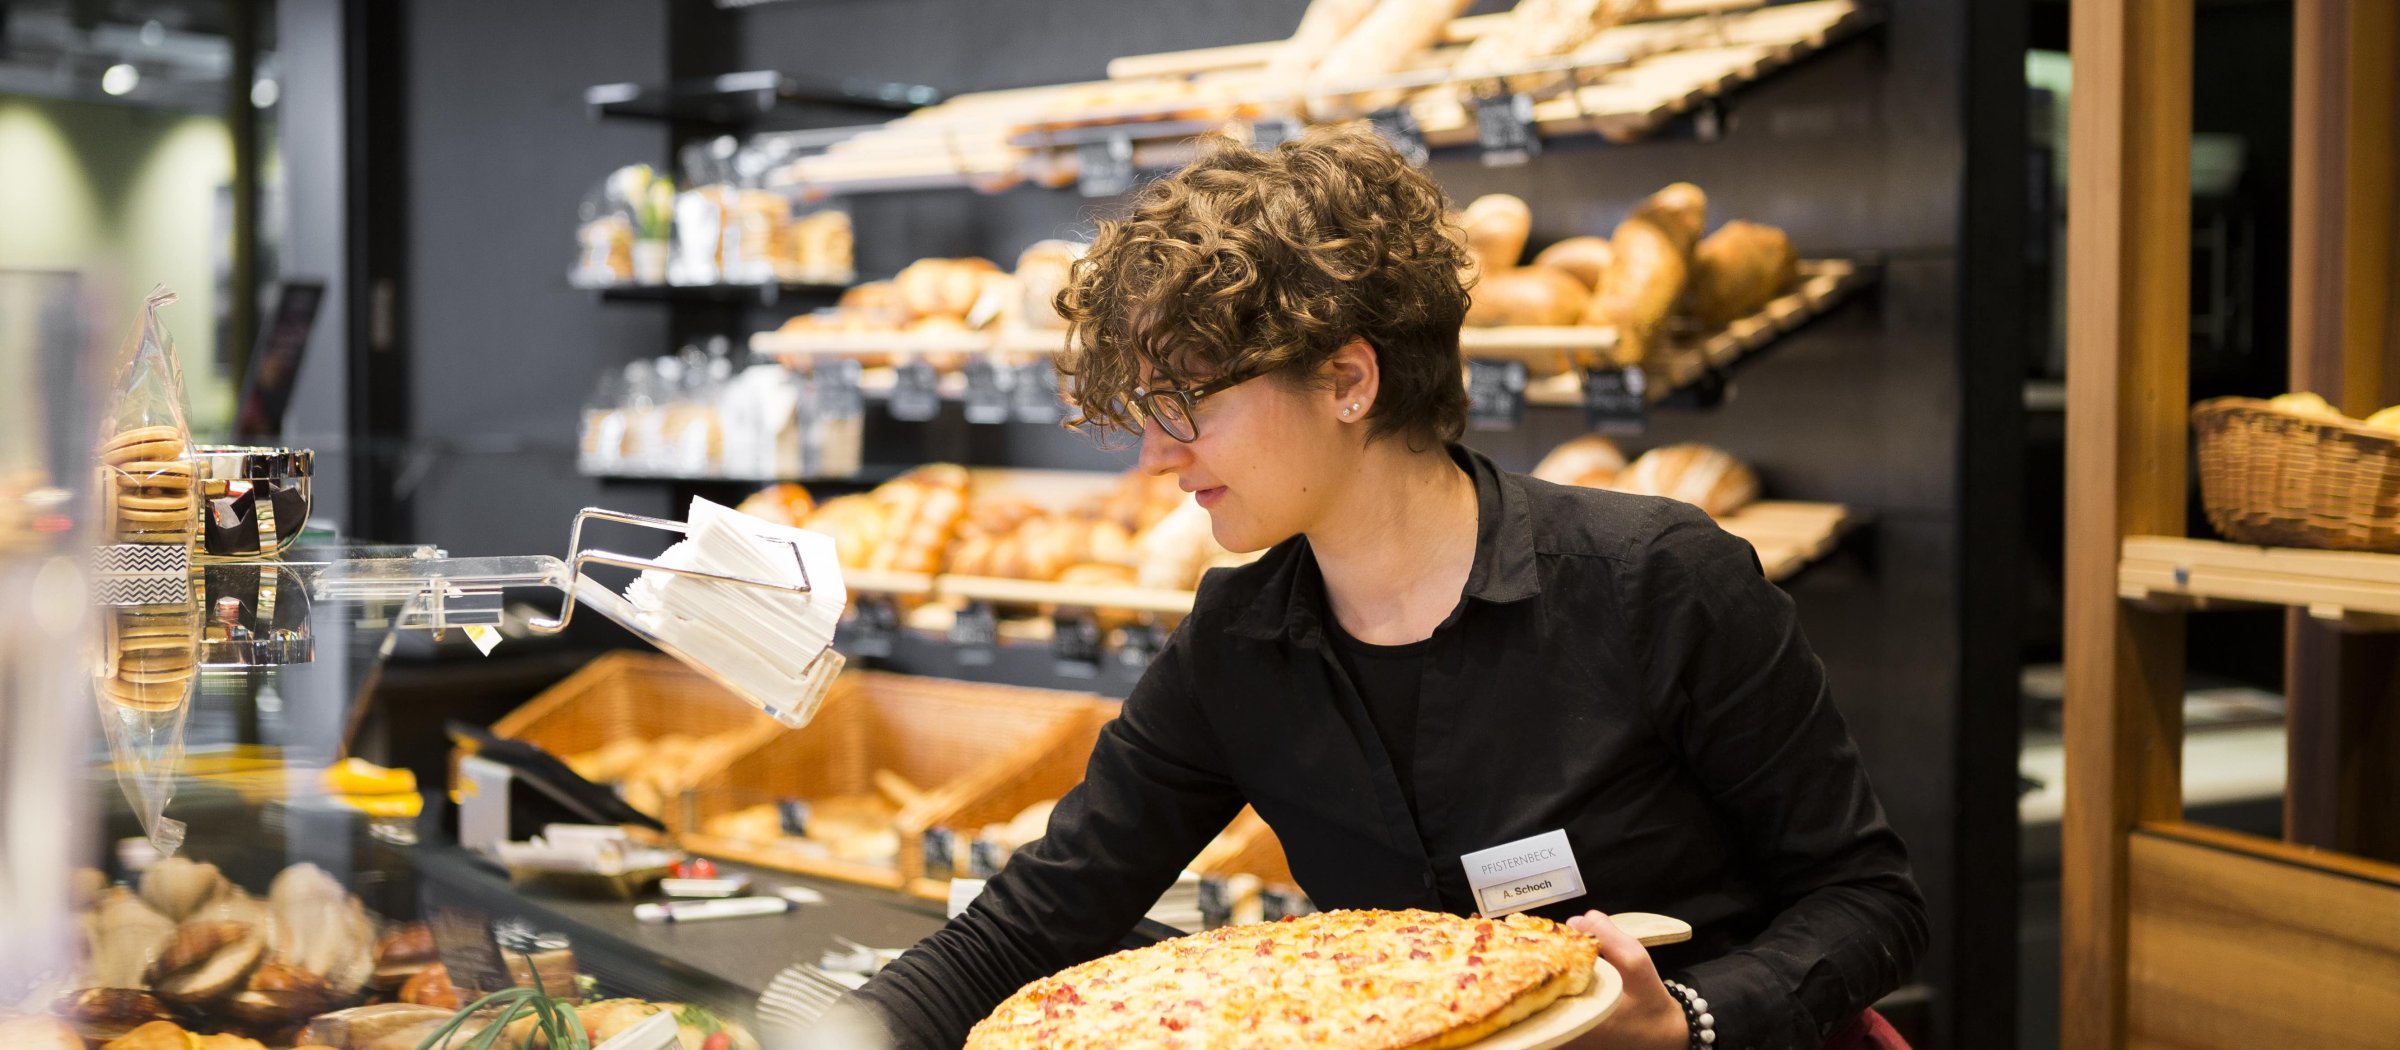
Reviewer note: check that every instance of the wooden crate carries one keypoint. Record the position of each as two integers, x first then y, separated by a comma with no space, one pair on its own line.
980,753
627,694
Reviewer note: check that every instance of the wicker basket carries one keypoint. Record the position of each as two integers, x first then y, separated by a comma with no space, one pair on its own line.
2273,478
628,694
980,753
1247,847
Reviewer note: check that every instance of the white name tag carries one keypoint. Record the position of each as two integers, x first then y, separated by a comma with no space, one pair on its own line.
1527,873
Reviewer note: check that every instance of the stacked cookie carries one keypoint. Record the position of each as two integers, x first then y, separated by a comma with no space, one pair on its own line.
150,490
150,655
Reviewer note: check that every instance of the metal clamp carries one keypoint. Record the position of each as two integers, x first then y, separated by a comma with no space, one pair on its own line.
577,558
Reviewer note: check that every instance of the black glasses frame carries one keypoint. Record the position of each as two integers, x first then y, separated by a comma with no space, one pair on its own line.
1145,404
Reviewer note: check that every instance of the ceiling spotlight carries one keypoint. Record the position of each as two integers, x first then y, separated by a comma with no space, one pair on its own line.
120,79
263,93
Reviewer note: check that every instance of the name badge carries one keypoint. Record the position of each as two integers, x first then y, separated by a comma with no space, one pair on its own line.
1527,873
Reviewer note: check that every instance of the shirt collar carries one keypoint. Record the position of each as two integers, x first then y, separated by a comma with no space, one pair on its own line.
1290,602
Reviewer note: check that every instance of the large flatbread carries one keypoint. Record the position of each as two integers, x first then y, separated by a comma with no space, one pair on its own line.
1374,980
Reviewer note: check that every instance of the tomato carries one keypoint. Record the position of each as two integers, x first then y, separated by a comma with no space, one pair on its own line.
719,1041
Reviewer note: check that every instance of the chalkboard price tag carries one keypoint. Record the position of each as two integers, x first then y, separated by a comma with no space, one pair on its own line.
987,391
1034,397
1504,128
1075,644
1399,127
1105,168
1269,132
941,845
463,939
916,393
874,626
1616,400
1140,645
836,387
974,635
1495,394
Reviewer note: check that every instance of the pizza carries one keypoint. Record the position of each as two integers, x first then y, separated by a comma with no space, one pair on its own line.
1373,980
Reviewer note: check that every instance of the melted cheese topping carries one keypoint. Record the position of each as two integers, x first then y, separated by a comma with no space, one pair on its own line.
1369,979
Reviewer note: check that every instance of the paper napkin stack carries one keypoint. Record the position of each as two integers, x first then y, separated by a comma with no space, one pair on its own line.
771,646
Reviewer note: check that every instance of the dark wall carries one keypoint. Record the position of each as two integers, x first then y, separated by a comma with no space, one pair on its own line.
501,352
1862,150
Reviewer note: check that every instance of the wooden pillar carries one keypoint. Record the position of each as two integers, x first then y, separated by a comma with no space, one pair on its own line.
2345,157
2128,307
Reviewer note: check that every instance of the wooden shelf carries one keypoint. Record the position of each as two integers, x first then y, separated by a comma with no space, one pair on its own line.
2352,590
1788,535
1628,83
1823,286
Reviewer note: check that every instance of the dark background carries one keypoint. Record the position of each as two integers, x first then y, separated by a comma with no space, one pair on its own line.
1902,404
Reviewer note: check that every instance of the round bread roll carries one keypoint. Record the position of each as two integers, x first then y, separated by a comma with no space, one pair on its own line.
943,287
1681,210
1591,461
1584,258
1534,295
1704,477
876,301
1497,225
2387,419
1042,272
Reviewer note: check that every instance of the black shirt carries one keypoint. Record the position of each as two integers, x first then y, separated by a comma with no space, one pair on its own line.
1387,679
1619,669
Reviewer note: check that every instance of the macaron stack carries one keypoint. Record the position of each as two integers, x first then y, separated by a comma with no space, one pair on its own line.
149,489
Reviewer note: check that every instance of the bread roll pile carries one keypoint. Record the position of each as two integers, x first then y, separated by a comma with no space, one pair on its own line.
1707,478
652,773
950,297
1655,275
2312,406
905,525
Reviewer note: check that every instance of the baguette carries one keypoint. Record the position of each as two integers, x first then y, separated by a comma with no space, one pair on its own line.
1322,27
1639,290
1681,210
1382,43
1737,270
1534,295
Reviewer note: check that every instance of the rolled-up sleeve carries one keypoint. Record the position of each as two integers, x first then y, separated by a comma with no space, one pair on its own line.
1154,794
1736,688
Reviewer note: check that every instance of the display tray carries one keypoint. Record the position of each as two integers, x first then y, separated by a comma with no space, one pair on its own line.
2352,590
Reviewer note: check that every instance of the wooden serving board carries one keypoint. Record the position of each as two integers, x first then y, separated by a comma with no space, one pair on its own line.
1561,1022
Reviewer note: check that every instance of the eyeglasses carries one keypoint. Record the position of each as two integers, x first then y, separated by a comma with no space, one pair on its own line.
1173,408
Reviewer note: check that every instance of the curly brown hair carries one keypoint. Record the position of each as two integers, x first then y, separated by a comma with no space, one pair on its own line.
1250,263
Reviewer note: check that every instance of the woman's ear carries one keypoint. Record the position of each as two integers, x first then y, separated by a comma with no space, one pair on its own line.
1353,375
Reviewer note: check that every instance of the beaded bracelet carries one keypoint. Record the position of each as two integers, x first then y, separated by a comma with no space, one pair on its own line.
1703,1024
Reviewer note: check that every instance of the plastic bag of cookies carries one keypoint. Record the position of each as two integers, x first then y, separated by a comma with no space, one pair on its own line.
148,487
143,675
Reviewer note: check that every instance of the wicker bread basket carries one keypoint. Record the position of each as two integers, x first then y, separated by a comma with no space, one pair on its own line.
629,695
2278,479
963,743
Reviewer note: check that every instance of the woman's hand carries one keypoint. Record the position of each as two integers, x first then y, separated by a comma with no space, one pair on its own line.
1647,1018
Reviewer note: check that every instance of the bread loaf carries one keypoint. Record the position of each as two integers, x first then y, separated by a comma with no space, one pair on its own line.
1496,225
943,287
1586,259
1591,461
1321,27
1639,289
877,302
1534,295
1538,29
1737,270
1704,477
1382,43
1042,272
1681,210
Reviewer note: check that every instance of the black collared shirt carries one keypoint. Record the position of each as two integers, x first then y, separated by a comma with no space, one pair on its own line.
1619,669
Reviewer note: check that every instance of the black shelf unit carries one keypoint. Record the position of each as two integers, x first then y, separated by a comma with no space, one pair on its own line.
736,100
763,294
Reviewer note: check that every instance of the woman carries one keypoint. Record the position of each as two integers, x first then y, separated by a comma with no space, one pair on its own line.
1433,657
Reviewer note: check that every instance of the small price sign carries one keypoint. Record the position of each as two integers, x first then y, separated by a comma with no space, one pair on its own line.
988,387
1266,133
1504,128
1399,127
916,393
975,635
1105,168
1616,400
1034,398
1140,645
1495,394
1075,644
463,939
874,626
